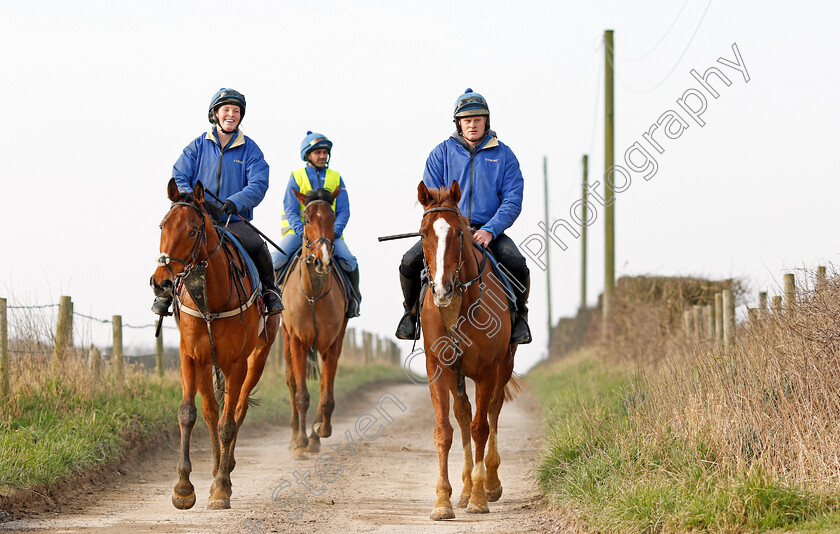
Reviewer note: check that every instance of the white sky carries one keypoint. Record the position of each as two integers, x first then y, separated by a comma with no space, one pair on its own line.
99,98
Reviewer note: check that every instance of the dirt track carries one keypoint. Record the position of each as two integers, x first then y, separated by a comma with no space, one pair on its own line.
387,486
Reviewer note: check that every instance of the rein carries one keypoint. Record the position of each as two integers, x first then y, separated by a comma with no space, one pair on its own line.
194,278
460,287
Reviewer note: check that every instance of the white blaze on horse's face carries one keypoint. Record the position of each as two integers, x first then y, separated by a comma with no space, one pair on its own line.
442,296
325,256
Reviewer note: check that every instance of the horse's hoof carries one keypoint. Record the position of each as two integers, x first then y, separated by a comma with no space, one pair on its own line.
442,512
322,430
314,446
219,504
494,494
300,453
473,508
462,502
183,502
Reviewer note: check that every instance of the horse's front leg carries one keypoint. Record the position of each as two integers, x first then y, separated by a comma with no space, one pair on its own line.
463,414
183,496
493,460
301,397
480,430
322,427
210,411
439,390
220,499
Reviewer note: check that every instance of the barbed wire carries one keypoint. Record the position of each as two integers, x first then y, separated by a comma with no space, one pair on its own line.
108,321
32,307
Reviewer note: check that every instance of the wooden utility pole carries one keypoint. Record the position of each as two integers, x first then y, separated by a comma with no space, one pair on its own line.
547,247
585,218
609,159
4,352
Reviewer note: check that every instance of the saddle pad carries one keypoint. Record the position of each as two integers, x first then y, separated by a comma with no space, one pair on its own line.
500,274
249,263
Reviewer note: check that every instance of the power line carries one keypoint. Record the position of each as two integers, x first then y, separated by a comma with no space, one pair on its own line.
687,46
659,42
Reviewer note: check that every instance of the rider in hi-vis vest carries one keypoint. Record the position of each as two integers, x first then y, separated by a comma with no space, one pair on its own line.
315,150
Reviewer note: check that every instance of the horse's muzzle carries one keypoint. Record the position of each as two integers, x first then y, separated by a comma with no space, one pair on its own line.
163,289
443,294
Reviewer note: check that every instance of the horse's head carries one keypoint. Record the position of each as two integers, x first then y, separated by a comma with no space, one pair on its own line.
442,230
318,227
183,236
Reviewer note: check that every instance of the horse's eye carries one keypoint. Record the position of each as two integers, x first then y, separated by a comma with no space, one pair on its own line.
160,226
193,232
306,220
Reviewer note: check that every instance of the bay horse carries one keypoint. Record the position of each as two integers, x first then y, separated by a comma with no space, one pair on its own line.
218,314
466,326
314,320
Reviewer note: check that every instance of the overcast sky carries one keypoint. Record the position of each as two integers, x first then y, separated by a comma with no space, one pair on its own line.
99,99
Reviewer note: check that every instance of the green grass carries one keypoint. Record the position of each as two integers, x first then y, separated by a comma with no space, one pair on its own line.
55,431
620,478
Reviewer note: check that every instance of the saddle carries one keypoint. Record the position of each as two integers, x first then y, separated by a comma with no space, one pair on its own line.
282,274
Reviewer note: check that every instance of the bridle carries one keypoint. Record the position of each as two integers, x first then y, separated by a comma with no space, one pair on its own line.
460,286
310,258
200,240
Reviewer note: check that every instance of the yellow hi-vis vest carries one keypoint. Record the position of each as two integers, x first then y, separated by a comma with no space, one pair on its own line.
331,182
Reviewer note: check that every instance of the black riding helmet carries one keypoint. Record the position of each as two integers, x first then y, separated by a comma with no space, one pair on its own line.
225,96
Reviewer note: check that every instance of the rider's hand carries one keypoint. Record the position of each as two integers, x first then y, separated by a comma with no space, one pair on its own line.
229,207
483,237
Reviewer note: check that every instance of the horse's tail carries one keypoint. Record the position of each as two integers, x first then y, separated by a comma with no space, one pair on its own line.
516,384
313,368
252,400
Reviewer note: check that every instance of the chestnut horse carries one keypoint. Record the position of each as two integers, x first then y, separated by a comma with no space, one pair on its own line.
221,329
466,331
314,320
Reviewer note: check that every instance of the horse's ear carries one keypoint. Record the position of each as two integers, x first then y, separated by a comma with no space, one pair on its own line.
422,194
198,192
336,192
300,196
172,190
455,192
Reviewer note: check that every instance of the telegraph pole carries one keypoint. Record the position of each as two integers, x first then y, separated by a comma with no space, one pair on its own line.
547,248
609,161
584,218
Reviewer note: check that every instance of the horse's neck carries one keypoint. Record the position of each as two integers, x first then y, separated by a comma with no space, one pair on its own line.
313,283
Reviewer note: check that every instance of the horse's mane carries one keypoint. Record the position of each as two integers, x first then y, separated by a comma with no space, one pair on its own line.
215,211
319,194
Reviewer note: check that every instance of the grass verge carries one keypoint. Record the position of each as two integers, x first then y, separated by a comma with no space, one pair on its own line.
602,462
55,431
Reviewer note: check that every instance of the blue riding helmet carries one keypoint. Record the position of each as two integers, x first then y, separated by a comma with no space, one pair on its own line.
313,141
471,104
225,96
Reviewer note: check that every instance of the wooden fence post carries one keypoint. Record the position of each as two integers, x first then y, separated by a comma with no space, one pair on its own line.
698,322
94,360
159,353
63,333
728,320
777,305
790,293
709,320
688,322
821,278
4,352
117,352
719,317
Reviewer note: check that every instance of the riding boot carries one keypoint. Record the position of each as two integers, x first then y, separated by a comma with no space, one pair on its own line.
520,333
271,294
407,328
355,300
161,306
